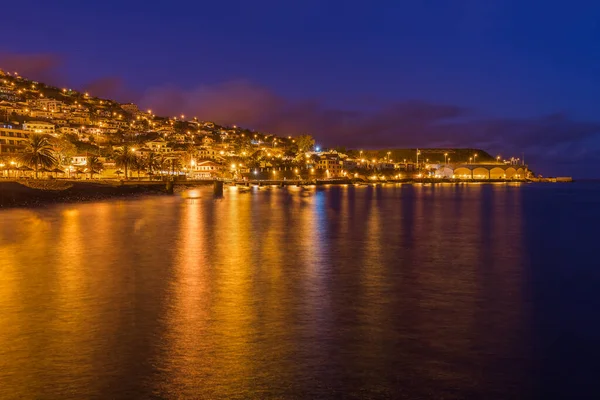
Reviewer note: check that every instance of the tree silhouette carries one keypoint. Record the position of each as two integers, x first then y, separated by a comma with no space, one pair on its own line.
124,157
38,152
93,164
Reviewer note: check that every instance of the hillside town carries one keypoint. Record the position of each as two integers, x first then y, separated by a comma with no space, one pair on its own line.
52,132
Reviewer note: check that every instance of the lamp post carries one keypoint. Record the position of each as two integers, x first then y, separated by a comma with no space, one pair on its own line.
475,158
446,158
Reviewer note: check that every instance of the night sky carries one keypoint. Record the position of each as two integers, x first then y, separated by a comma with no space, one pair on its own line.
511,77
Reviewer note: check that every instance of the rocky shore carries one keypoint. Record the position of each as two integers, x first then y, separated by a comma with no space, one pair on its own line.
27,193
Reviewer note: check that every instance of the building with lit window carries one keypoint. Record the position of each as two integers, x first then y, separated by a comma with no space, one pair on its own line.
204,169
331,163
158,146
12,140
39,127
51,105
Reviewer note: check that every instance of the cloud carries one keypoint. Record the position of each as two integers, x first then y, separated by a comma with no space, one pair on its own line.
42,67
234,102
111,87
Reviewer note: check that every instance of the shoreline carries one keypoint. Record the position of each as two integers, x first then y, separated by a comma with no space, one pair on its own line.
36,193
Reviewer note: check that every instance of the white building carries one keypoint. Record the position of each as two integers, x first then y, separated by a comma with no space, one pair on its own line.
49,105
204,169
11,140
158,146
210,153
80,160
39,113
39,127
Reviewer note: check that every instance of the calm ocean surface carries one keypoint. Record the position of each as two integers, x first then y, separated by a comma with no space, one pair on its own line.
465,291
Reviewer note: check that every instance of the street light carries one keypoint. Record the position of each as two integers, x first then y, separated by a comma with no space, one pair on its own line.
475,158
446,158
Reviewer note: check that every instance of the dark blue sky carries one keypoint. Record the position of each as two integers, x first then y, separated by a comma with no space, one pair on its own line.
511,76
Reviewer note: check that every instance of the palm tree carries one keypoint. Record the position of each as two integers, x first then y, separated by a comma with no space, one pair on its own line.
38,152
124,157
139,164
174,163
189,155
94,164
153,162
164,162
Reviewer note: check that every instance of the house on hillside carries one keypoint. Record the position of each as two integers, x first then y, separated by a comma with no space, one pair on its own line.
39,113
69,130
130,108
80,160
12,140
179,137
210,153
51,105
330,162
8,93
207,140
80,118
18,110
158,146
39,127
204,170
